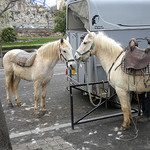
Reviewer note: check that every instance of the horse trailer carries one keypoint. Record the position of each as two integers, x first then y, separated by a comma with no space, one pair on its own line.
119,19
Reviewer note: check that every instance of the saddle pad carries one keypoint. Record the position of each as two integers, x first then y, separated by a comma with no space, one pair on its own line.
135,72
24,59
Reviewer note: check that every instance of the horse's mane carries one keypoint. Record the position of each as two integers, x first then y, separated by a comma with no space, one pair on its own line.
48,49
106,43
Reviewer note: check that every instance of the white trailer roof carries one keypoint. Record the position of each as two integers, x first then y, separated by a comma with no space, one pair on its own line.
108,14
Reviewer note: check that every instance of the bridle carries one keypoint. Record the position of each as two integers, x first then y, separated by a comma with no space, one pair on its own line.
62,57
88,51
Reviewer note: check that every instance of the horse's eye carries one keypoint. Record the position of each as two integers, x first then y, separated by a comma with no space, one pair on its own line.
85,43
64,51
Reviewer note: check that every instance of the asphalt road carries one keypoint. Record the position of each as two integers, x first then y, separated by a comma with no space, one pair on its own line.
25,127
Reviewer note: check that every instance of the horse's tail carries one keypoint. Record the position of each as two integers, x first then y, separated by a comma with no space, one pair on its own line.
12,83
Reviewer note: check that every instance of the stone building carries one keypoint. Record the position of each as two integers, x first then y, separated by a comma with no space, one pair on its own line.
24,14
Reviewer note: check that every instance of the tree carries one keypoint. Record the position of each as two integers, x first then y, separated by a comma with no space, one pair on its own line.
60,21
10,4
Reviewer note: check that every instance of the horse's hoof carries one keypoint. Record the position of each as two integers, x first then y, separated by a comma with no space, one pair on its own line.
123,128
38,115
19,104
36,112
44,111
10,105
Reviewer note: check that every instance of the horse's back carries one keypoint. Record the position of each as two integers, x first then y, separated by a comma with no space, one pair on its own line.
8,57
13,52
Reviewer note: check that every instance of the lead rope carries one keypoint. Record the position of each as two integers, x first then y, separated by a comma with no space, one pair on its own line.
132,138
86,78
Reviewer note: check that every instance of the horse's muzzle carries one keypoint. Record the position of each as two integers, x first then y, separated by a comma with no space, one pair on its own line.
77,57
71,64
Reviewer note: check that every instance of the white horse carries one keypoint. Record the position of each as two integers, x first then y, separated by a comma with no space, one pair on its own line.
40,72
107,50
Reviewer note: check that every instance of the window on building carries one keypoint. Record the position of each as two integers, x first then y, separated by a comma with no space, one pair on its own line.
19,6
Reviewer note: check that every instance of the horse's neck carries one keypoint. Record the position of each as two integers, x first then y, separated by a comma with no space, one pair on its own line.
49,55
107,57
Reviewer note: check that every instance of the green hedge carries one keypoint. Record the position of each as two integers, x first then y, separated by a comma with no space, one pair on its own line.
26,43
20,47
29,41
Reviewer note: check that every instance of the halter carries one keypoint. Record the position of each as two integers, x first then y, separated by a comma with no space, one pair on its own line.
62,56
88,51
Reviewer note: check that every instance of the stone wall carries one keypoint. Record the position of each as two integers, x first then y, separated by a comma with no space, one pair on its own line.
37,33
35,18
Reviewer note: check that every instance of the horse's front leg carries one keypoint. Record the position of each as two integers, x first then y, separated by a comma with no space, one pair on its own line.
36,96
43,95
124,97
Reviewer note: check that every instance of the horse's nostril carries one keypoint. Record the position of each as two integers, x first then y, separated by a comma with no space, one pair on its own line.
72,67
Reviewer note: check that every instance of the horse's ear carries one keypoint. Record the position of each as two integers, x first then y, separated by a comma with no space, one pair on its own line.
88,32
61,41
67,38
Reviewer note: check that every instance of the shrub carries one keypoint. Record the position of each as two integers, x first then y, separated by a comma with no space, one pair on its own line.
9,35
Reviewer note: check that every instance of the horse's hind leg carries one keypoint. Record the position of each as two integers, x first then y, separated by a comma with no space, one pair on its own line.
124,97
16,83
8,80
43,95
36,96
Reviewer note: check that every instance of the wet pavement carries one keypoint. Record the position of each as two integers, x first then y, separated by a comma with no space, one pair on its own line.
52,131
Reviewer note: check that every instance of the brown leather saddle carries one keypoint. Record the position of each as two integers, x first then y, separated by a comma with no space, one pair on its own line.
136,60
24,59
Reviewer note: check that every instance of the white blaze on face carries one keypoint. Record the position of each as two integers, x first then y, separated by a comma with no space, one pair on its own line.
66,51
83,52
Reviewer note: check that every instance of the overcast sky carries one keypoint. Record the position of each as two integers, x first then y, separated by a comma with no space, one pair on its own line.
51,2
